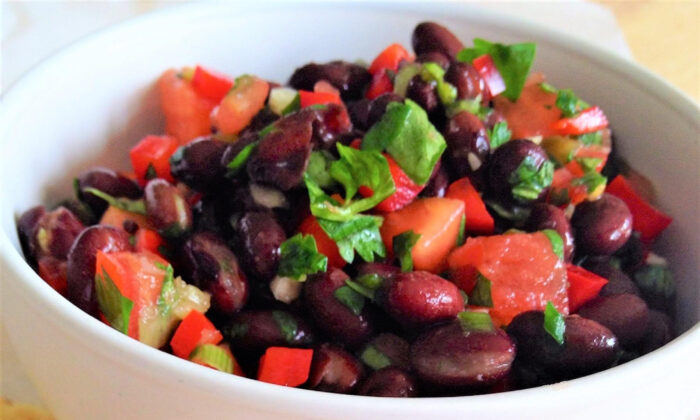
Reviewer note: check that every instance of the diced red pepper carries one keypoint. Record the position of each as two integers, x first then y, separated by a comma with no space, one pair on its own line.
390,58
285,366
646,219
194,330
150,158
307,98
53,272
406,189
210,84
477,218
583,286
381,84
488,71
587,121
148,240
562,184
324,243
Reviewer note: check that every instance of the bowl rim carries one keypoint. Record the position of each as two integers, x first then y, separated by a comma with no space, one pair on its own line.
66,316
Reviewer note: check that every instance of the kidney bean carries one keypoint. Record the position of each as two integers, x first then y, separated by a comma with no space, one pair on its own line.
378,106
588,346
81,210
494,117
659,331
395,348
259,238
626,315
261,120
199,164
506,160
384,271
438,183
166,209
546,216
256,330
526,375
333,317
359,113
350,79
618,282
82,257
54,233
210,265
330,124
423,93
467,147
633,253
334,370
601,226
431,37
448,356
468,82
420,298
107,181
434,57
25,231
656,286
390,382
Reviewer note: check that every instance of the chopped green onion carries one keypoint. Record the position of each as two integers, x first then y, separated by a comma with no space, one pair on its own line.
554,323
361,289
499,135
287,325
374,358
240,159
213,356
133,206
556,241
475,321
350,298
402,245
481,294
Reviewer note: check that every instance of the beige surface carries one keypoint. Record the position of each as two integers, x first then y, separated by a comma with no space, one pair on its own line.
664,37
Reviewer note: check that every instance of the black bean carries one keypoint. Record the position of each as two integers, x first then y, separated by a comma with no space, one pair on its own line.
394,348
601,226
618,282
659,331
468,81
632,254
25,231
503,174
423,93
359,113
350,79
431,37
81,210
256,330
546,216
166,209
259,238
438,183
390,382
55,232
467,147
331,123
82,258
107,181
434,57
378,107
334,370
626,315
198,164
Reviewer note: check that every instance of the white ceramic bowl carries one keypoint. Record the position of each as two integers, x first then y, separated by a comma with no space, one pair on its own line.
87,104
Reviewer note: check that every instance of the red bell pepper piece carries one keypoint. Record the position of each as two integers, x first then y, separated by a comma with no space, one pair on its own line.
53,272
583,286
324,243
587,121
390,58
194,330
307,98
406,189
477,218
488,71
646,219
381,84
150,158
285,366
210,84
148,240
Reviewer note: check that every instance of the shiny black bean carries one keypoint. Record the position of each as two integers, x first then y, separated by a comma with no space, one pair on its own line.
82,258
210,265
330,314
55,232
382,270
659,332
25,231
438,183
166,209
588,346
431,37
107,181
261,120
434,57
81,210
331,123
449,356
601,226
393,347
350,79
618,282
334,370
423,93
632,254
256,330
627,316
657,286
378,107
259,238
419,298
390,382
359,113
198,164
546,216
467,147
503,167
494,118
468,82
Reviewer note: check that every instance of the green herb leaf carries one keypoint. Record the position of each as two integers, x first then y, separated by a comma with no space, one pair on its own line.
461,235
374,358
515,214
548,88
167,291
134,206
590,139
433,72
319,168
499,135
588,164
287,325
557,242
554,323
592,180
361,289
299,256
475,321
402,245
114,306
512,61
529,181
239,161
359,234
472,106
406,133
372,281
481,293
350,298
214,356
569,103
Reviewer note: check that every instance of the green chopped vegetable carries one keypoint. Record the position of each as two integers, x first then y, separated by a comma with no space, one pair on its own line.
557,242
214,356
133,206
299,256
239,161
554,323
167,291
529,181
475,321
499,135
655,281
371,281
569,103
374,358
481,293
404,76
589,164
548,88
461,235
359,234
114,306
283,100
361,289
287,325
319,168
472,106
592,180
402,245
350,298
593,138
432,72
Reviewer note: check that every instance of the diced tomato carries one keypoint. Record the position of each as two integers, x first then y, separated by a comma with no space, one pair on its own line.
240,105
307,98
488,71
532,114
210,84
325,86
148,240
381,84
150,158
437,220
390,59
186,112
324,243
646,219
592,151
53,272
477,219
194,330
406,189
587,121
523,270
583,286
116,217
285,366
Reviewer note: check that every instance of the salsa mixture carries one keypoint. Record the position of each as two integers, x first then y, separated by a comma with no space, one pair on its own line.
442,222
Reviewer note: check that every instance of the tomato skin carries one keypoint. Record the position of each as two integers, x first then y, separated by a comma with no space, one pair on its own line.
532,114
488,71
587,121
307,98
153,152
583,286
381,84
240,105
390,58
210,84
324,243
406,189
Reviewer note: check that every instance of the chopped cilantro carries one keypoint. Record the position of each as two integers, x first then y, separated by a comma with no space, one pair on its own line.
240,159
569,103
359,234
299,256
350,298
556,241
481,294
402,245
554,323
529,181
499,134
